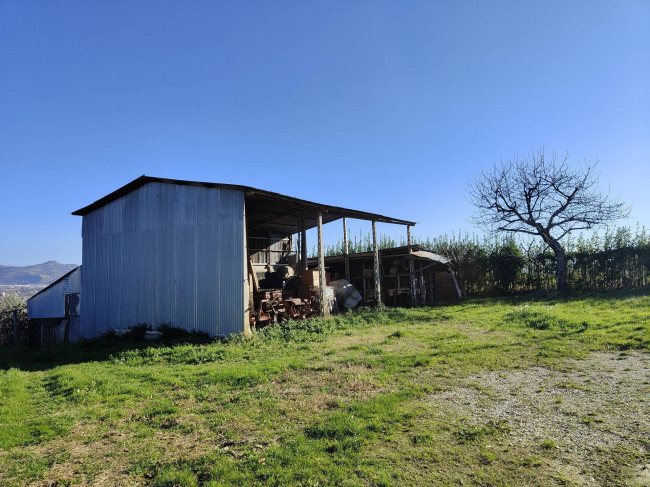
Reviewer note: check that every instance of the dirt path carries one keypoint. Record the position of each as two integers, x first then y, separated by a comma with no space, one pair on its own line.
585,412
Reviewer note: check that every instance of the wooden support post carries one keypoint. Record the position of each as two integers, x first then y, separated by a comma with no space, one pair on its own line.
411,267
299,252
346,250
303,244
252,277
423,289
290,248
376,264
322,292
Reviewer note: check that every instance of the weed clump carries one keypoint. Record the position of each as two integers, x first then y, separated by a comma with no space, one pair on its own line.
548,444
491,428
538,318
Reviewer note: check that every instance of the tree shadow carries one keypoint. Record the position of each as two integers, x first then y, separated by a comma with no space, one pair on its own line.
567,297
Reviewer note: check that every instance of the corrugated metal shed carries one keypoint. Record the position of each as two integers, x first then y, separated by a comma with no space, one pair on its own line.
171,251
50,301
165,253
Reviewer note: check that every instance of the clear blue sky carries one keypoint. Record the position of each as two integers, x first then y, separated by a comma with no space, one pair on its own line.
388,107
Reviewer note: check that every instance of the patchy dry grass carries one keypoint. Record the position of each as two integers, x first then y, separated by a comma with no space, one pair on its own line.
486,392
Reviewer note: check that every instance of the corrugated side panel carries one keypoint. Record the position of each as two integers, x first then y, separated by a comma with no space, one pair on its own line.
75,281
51,302
165,253
48,304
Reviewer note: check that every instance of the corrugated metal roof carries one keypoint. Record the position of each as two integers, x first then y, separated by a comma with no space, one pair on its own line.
425,254
418,251
290,207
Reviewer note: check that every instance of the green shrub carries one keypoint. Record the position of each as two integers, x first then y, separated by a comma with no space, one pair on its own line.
171,333
7,305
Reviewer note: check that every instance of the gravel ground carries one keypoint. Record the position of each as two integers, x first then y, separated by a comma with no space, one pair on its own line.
589,408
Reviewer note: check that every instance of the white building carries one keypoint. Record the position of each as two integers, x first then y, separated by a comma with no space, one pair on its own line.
55,309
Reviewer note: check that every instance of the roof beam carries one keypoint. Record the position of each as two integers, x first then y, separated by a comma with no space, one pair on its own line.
277,216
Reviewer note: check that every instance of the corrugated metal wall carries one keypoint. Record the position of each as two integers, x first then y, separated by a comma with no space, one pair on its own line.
50,303
165,253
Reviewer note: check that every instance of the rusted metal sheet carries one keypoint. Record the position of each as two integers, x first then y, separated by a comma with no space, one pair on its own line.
165,253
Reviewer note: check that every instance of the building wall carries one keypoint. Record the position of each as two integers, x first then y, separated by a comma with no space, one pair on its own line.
165,253
50,303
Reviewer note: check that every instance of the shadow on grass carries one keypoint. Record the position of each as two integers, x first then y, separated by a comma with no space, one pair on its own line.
49,356
568,297
107,346
102,348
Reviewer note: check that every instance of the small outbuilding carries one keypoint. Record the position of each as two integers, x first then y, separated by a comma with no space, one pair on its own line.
55,310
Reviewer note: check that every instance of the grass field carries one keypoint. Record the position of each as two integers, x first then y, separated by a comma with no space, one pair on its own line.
485,392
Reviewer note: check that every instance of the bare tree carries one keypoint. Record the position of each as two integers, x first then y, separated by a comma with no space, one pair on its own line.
543,198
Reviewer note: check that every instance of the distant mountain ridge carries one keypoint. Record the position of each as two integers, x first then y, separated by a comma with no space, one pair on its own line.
38,274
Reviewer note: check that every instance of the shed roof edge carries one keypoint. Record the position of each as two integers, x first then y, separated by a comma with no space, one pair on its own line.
248,190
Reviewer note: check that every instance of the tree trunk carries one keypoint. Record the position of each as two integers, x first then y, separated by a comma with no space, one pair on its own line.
560,263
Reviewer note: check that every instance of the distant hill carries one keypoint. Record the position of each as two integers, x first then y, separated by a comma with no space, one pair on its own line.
39,274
